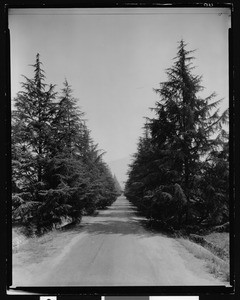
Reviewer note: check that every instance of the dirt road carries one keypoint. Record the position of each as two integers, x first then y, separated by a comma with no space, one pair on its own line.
114,249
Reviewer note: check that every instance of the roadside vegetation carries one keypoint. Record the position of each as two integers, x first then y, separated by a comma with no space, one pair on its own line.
58,172
220,242
216,265
179,176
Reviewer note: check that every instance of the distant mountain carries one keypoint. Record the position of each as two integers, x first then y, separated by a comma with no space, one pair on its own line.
119,168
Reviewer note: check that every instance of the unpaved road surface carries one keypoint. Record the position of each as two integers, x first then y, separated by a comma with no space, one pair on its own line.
114,249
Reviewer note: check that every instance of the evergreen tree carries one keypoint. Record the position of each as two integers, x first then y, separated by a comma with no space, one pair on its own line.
185,123
181,136
142,173
213,184
68,122
31,128
117,185
58,171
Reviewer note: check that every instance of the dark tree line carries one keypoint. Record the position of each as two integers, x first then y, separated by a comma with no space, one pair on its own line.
57,170
179,175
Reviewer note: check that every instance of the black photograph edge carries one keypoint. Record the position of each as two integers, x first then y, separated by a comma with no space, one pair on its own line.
205,292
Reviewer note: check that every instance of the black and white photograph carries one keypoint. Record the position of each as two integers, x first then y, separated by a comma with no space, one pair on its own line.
120,146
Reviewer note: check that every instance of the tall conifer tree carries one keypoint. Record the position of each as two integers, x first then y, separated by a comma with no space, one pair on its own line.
68,122
32,125
181,136
185,121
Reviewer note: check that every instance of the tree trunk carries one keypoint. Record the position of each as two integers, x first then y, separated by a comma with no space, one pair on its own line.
186,186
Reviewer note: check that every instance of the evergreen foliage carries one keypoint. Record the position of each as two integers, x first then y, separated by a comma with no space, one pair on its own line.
117,185
57,170
175,176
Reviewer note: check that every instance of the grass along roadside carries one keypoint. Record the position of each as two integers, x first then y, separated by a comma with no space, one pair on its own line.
36,249
37,254
220,242
215,265
211,247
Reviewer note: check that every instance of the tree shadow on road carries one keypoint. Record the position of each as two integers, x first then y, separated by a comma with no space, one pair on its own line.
121,219
121,227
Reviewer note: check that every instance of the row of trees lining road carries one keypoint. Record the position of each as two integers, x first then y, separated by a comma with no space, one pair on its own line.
179,175
57,170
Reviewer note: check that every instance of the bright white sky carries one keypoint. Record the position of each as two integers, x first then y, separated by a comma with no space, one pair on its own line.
113,58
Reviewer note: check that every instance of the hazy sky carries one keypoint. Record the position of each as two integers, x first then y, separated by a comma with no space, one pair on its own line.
113,58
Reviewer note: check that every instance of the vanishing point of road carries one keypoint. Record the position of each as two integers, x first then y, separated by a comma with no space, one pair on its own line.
114,249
